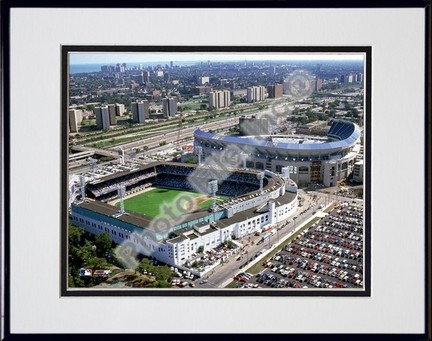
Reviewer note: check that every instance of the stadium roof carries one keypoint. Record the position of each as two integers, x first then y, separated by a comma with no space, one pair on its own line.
117,175
342,135
112,211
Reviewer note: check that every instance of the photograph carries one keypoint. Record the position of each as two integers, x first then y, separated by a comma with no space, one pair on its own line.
215,171
259,168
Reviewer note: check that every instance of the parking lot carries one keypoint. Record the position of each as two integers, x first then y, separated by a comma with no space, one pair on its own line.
328,255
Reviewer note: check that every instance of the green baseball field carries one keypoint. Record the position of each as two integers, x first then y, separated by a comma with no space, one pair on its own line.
148,203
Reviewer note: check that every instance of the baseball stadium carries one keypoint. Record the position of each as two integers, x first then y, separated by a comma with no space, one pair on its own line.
312,159
170,210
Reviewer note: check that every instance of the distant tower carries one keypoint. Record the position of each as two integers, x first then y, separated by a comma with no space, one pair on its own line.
121,193
145,77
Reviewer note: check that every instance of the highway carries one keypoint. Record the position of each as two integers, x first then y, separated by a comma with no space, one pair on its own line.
177,134
187,133
276,108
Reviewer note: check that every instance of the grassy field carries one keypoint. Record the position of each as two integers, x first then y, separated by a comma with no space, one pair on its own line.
150,202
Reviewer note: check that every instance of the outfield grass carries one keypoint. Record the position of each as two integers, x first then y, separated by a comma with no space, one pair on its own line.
150,202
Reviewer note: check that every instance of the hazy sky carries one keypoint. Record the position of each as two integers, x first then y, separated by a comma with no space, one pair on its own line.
112,58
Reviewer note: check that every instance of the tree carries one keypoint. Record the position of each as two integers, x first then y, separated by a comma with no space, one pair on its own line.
145,265
71,283
162,284
313,117
74,236
163,273
201,249
83,254
302,119
103,243
97,263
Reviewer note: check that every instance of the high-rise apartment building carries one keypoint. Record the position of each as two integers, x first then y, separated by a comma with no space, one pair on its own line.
145,77
140,111
275,91
102,117
255,94
120,109
351,78
112,114
219,99
203,80
169,107
201,90
75,118
316,84
348,78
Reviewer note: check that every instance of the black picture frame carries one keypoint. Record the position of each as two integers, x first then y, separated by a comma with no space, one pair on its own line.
6,189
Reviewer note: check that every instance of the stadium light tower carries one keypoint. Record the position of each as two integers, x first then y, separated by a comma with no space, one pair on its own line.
199,151
121,156
260,177
212,187
121,193
82,186
93,167
244,158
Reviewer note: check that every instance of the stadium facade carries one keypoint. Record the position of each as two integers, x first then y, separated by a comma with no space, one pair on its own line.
311,159
257,201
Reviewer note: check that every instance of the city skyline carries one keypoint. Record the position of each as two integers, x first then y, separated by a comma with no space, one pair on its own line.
81,58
